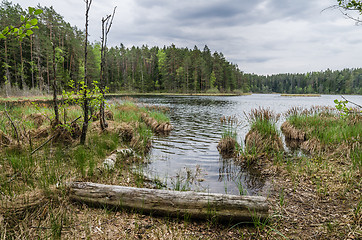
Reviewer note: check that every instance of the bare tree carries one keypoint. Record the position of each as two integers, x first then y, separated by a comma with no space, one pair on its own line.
86,84
55,100
106,27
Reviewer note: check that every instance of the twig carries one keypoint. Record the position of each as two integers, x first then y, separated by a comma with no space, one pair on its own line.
352,102
12,123
43,144
75,120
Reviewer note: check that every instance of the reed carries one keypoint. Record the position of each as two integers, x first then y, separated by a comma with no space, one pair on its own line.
263,136
228,145
325,125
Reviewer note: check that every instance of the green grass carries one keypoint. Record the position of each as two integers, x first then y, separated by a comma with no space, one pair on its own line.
264,121
328,129
159,116
263,136
55,162
264,127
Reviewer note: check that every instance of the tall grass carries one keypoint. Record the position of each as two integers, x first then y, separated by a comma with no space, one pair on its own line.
159,116
263,120
334,132
55,164
326,125
228,145
263,136
328,129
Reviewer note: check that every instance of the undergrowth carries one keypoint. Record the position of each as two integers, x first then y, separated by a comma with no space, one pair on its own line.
24,171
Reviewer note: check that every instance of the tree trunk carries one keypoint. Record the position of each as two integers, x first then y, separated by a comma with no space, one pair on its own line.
55,100
22,67
7,72
172,203
86,83
32,63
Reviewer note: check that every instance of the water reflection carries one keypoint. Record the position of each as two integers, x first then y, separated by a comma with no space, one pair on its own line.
197,129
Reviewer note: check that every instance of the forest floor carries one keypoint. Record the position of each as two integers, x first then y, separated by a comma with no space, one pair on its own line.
315,196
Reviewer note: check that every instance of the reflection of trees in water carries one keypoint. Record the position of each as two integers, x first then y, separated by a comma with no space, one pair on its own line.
250,177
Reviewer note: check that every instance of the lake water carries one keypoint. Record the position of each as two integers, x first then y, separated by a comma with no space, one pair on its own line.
190,149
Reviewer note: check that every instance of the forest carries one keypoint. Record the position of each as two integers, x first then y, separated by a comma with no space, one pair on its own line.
28,65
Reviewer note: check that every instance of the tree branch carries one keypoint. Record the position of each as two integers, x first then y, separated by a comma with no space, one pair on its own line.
352,102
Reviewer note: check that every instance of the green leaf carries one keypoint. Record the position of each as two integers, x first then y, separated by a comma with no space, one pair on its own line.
2,36
38,11
29,32
31,10
34,21
15,30
22,18
27,25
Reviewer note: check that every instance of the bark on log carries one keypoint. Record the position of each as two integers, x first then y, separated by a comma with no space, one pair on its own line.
172,203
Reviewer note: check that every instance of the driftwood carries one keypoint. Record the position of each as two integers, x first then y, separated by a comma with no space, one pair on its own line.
172,203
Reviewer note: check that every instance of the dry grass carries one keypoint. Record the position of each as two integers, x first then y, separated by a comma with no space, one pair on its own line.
263,136
227,146
163,128
290,132
258,143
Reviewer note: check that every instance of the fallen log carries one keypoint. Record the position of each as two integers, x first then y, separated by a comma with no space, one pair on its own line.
172,203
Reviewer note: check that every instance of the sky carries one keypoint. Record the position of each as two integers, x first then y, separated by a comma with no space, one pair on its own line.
260,36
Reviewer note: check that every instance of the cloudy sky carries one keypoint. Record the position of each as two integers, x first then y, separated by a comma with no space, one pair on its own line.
261,36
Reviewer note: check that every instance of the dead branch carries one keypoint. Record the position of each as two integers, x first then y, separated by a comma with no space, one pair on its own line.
351,102
12,123
53,136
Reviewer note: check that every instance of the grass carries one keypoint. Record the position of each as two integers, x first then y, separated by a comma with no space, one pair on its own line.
263,120
312,196
334,133
329,129
46,172
228,145
263,136
330,177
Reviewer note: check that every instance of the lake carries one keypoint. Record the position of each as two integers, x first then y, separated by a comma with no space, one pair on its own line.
190,152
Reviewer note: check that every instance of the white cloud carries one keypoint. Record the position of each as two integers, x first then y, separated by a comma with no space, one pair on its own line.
261,36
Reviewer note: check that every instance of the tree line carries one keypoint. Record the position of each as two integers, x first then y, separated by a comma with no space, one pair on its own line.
346,81
56,51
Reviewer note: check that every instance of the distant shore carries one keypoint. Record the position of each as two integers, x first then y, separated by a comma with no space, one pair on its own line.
48,98
300,95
